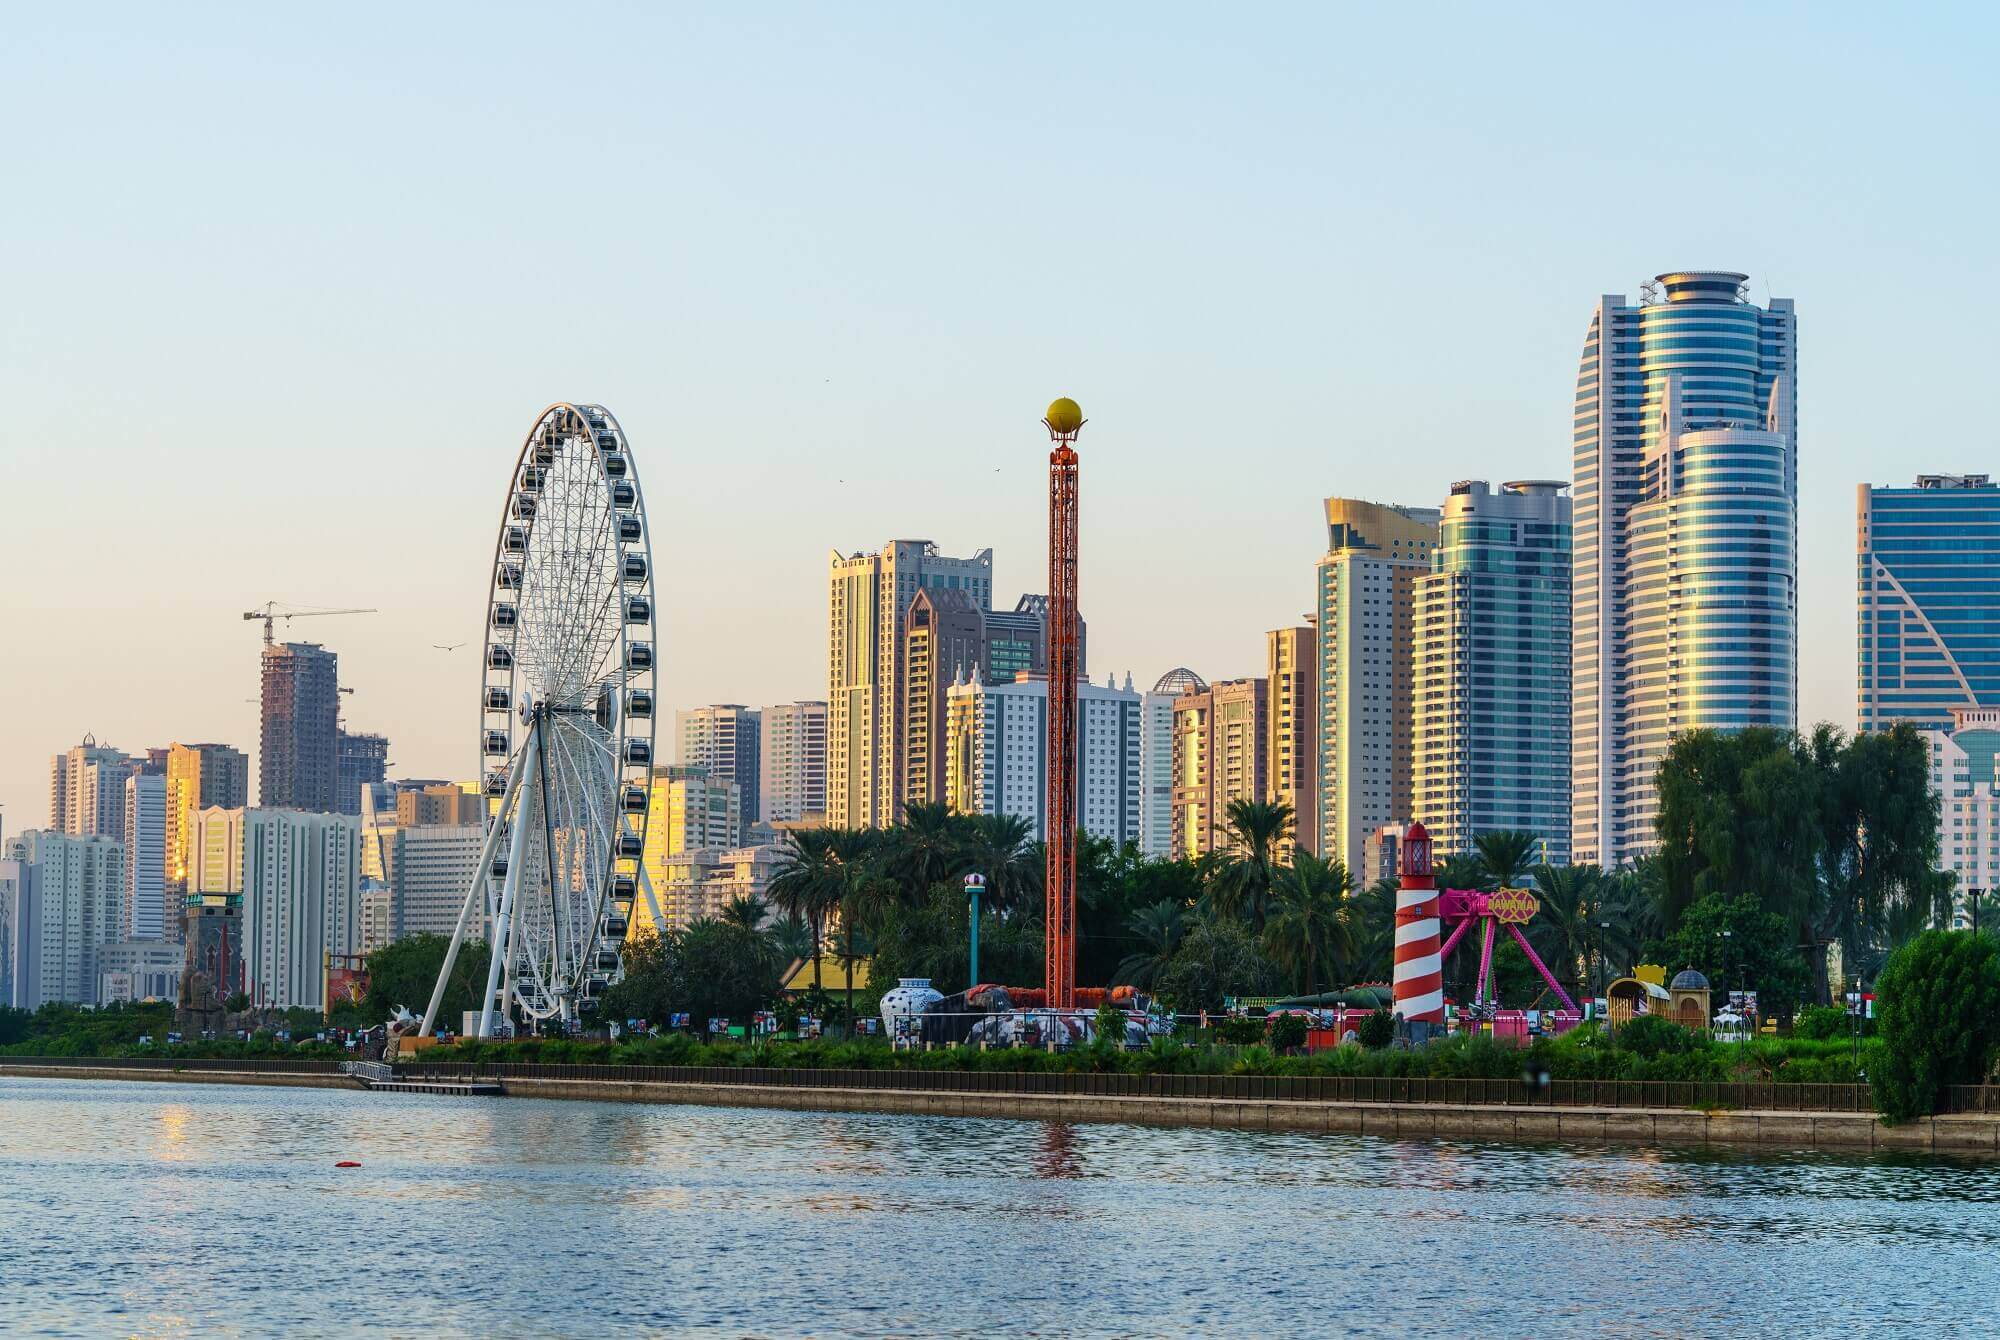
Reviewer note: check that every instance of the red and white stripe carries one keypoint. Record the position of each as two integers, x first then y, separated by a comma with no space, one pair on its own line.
1418,980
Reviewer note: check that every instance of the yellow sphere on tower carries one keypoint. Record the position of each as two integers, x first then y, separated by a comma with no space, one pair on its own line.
1064,417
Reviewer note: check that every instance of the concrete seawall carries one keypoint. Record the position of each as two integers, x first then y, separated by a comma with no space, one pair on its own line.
1972,1136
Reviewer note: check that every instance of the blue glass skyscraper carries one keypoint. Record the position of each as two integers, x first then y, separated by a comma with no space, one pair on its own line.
1928,634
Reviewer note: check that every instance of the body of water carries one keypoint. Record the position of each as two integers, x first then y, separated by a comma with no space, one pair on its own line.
167,1209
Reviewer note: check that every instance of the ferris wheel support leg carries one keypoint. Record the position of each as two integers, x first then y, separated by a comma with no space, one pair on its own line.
652,903
503,928
477,892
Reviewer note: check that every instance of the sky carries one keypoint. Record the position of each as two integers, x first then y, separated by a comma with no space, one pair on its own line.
282,289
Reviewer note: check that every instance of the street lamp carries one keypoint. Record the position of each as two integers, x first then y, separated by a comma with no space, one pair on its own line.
975,884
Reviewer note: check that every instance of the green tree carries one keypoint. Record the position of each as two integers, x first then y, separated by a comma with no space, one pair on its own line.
1739,946
1002,848
931,844
1307,932
710,970
1252,833
1216,958
1371,919
791,939
746,910
1836,835
1156,932
1505,855
1939,1017
932,940
808,884
404,973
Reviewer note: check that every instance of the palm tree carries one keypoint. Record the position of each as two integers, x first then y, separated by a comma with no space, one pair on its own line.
808,884
1371,916
1308,927
1572,928
791,939
929,846
1157,928
861,893
1252,831
1002,848
1505,854
746,910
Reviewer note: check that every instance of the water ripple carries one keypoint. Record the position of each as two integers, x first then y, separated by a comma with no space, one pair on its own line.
195,1210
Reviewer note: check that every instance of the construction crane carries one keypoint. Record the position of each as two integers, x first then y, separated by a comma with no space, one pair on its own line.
271,612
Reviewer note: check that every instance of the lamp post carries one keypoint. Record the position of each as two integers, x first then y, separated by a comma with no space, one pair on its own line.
975,884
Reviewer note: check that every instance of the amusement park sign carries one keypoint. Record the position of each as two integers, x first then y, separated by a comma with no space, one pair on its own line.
1513,907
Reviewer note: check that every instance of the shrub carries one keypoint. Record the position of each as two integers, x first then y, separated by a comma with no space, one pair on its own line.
1241,1032
1377,1031
1817,1023
1940,1020
1287,1031
1649,1036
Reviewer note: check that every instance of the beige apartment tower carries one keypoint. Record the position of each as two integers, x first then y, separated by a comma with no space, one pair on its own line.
1290,760
868,605
1366,620
1219,738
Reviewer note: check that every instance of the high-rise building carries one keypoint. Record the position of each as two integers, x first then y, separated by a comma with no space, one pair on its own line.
66,902
87,790
421,804
1965,777
1291,755
1492,669
1218,759
1017,641
363,761
1712,592
301,895
1929,600
298,760
199,777
724,740
868,605
147,915
1156,759
692,817
792,762
1736,364
430,867
944,643
215,851
1366,622
996,752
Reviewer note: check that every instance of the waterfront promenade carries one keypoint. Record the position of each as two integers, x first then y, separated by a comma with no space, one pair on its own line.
1483,1110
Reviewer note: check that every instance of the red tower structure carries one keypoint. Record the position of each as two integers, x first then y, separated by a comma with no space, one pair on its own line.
1064,421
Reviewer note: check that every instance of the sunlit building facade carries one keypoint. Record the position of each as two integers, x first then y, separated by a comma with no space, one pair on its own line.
1365,617
1735,367
868,605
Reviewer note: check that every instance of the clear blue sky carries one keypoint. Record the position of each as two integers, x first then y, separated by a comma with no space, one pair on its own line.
283,289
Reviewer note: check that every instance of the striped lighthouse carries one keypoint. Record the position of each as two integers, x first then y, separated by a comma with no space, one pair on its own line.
1418,981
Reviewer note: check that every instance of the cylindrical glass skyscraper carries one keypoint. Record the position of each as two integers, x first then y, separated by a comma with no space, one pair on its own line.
1731,363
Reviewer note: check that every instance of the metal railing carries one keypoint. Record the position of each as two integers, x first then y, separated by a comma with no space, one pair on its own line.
1254,1088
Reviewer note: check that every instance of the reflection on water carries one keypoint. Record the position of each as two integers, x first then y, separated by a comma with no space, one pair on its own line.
130,1208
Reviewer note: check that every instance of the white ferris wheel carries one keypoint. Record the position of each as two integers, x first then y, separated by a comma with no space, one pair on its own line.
567,705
